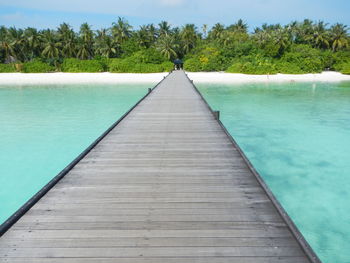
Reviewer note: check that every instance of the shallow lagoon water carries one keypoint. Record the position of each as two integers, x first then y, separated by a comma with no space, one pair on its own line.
297,135
43,128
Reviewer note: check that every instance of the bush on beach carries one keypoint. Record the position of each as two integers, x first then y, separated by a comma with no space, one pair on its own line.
7,68
206,59
77,65
37,66
345,69
144,61
253,65
127,66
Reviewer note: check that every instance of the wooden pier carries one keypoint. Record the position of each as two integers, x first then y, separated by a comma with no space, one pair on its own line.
166,185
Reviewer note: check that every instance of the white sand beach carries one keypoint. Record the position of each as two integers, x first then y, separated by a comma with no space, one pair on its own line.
221,77
78,78
197,77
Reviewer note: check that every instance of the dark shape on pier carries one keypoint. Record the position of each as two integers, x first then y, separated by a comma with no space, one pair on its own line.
178,64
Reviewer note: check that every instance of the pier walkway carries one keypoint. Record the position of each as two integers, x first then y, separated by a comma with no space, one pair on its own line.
166,185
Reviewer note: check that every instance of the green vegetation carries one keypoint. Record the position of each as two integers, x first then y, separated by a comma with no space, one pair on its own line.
296,48
143,61
77,65
36,66
6,68
346,69
126,65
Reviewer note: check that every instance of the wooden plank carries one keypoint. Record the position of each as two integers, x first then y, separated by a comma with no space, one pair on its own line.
150,225
166,185
151,242
267,232
157,205
153,252
239,259
248,217
167,211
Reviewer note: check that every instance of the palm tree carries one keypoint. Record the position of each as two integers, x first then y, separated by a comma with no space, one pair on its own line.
240,27
68,39
217,31
227,38
188,37
3,32
105,46
86,34
121,30
281,40
339,36
143,37
164,28
86,41
268,28
18,42
7,49
51,46
167,46
304,31
32,40
152,32
320,37
292,29
262,37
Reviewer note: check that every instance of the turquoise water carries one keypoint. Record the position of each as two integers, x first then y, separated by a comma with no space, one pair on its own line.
43,128
297,135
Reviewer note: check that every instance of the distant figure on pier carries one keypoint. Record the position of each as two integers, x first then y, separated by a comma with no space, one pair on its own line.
178,64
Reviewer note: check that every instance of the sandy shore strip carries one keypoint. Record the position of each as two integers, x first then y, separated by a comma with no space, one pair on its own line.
78,78
221,77
197,77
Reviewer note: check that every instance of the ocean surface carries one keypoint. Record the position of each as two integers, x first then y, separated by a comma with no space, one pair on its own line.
43,128
297,135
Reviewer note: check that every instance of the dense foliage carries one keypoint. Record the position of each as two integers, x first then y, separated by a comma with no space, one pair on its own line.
299,47
6,68
77,65
36,66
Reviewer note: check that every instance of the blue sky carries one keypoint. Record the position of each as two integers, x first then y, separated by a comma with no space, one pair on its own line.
101,13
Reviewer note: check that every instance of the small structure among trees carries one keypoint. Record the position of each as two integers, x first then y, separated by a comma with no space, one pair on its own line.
178,64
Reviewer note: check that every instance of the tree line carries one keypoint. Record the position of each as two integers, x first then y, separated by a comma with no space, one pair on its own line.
297,47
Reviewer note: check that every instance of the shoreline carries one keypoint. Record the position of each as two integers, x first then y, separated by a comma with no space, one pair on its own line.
227,78
197,77
79,78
